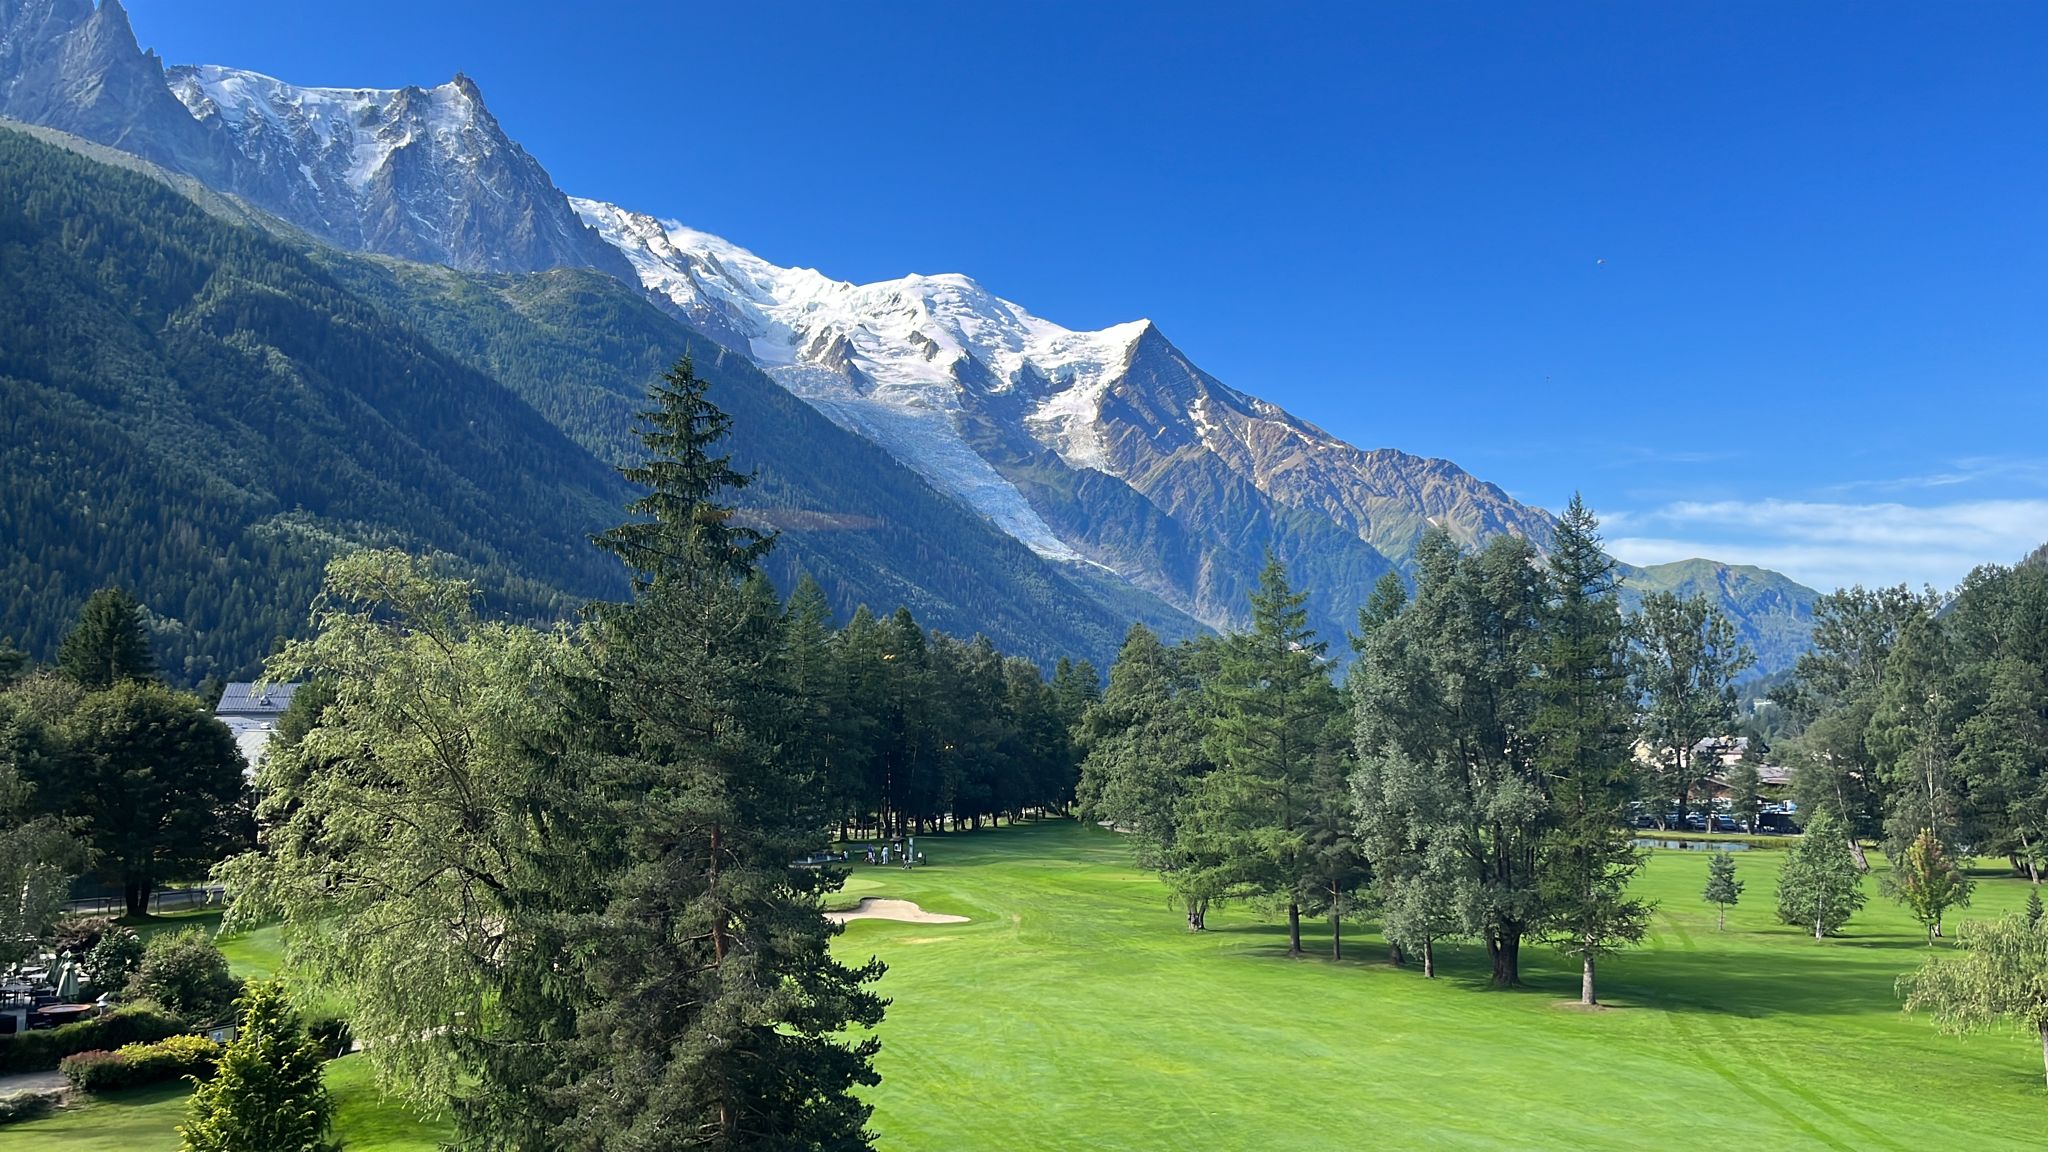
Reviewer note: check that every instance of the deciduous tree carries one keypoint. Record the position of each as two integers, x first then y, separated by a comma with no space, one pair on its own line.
1996,975
1927,880
1820,886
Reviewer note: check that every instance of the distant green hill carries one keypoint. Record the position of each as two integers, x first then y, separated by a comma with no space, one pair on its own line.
1772,613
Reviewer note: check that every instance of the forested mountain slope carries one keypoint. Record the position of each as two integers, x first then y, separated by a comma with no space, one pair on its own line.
203,412
200,413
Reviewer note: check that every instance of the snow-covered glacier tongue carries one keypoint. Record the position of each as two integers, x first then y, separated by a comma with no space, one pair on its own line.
898,361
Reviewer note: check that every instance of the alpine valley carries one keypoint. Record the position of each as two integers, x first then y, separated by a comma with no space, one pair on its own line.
916,441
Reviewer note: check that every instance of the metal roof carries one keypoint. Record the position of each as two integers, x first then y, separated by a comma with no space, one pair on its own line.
245,699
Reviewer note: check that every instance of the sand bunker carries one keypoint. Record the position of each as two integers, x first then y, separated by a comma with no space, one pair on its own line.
870,908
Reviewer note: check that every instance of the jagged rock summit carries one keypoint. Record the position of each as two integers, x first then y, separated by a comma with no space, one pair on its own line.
423,174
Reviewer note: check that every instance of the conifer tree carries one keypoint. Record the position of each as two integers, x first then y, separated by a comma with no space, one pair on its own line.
1723,889
109,643
682,526
266,1095
717,1008
1584,753
1144,755
1274,720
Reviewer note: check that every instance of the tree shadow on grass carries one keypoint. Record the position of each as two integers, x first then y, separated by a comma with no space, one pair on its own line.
1789,981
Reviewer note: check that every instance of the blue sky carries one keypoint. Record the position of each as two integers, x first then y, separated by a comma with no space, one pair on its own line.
1818,340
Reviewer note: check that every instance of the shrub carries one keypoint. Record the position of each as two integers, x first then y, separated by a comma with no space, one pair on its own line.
185,972
134,1065
95,1070
42,1051
113,961
268,1093
26,1106
79,936
331,1035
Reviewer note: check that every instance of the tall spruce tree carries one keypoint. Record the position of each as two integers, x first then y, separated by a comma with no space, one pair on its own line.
1274,722
109,643
717,1009
1144,754
1584,752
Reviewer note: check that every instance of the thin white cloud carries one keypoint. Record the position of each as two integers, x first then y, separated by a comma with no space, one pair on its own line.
1833,545
2002,470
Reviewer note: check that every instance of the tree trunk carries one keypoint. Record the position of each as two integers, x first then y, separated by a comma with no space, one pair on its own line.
2044,1050
717,919
1722,909
1586,996
1293,928
1505,949
136,895
1395,956
1428,960
1336,937
1856,852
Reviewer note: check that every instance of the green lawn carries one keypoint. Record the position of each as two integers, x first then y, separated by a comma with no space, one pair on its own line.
1076,1011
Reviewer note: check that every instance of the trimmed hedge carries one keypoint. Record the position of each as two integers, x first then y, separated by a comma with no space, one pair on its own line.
42,1051
134,1065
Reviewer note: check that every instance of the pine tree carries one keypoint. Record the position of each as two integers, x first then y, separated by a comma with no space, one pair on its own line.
717,1008
1584,753
266,1094
683,526
2033,912
1275,719
1144,755
1820,886
1723,889
109,643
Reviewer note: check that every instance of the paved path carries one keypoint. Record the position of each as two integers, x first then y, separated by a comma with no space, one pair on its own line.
32,1082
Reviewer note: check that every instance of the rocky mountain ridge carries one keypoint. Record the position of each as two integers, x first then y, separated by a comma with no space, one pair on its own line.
1108,453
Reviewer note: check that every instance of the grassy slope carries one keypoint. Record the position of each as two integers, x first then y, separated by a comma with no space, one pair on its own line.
1075,1011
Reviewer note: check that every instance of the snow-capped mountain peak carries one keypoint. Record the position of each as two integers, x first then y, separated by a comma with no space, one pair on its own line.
353,132
915,342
